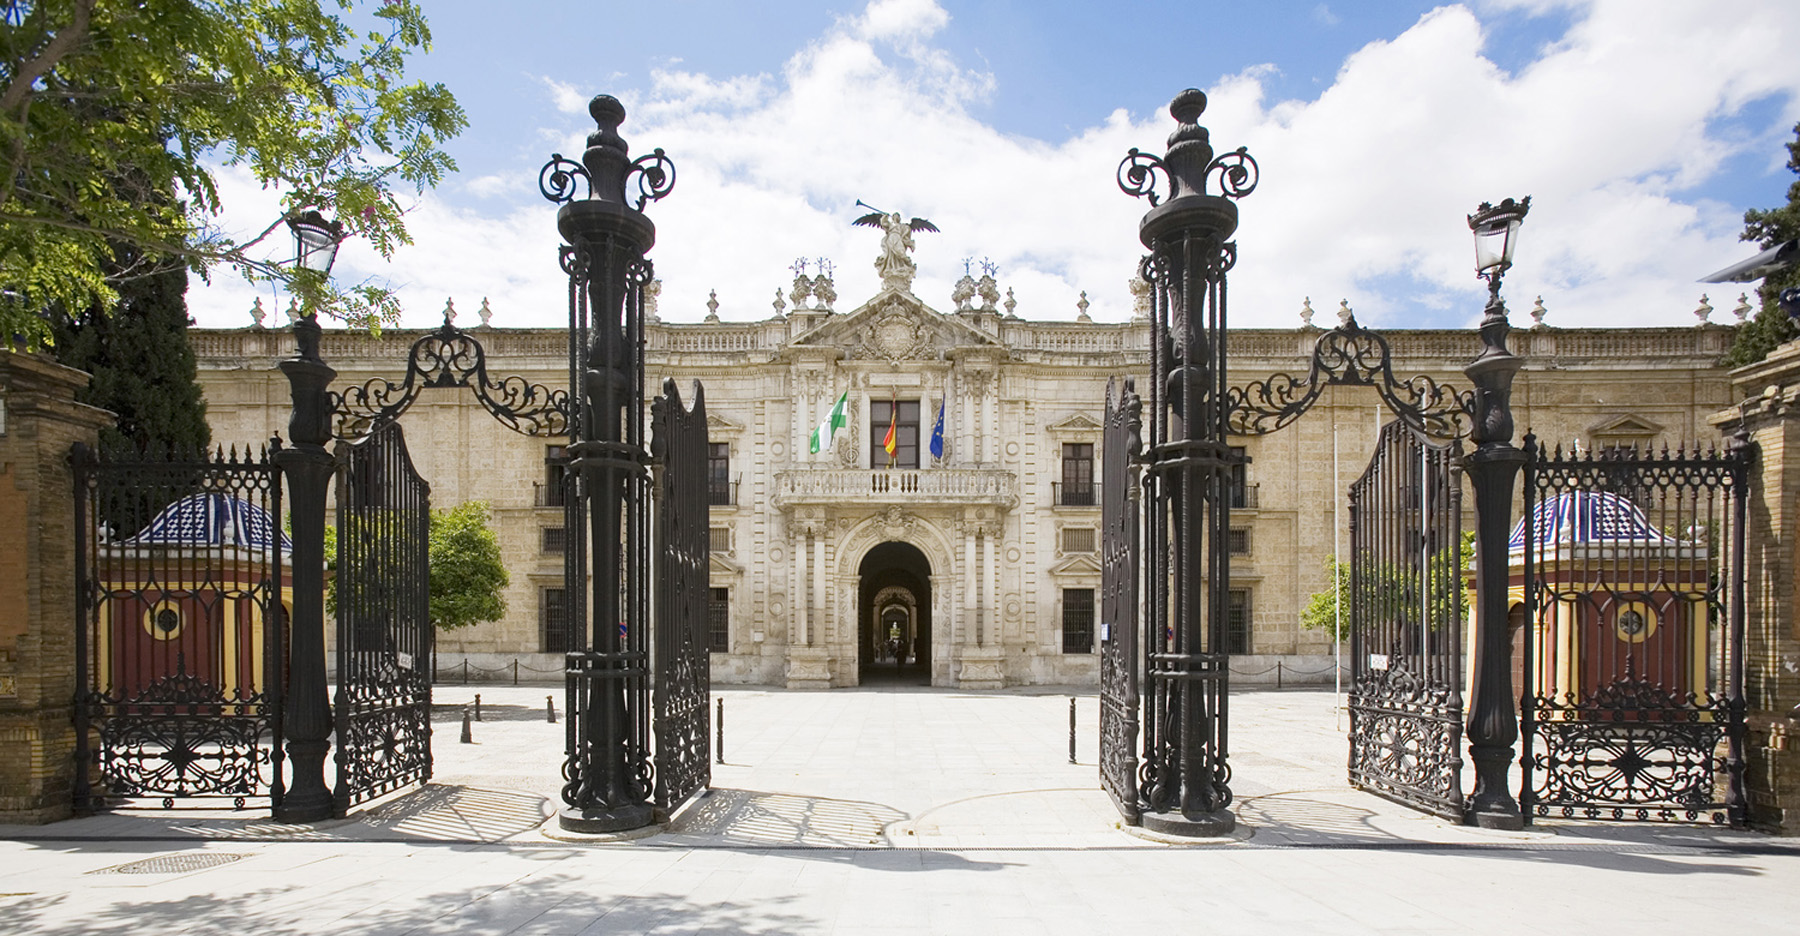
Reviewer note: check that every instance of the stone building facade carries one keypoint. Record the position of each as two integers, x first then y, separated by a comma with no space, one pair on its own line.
984,560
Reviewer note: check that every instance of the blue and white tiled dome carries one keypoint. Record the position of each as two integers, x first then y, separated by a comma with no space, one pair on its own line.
1588,517
212,519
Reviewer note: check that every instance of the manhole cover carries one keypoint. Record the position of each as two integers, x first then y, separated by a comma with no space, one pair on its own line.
172,864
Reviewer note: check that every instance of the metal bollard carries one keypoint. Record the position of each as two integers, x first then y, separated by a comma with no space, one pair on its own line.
720,733
1071,731
468,735
515,672
550,709
1278,674
478,706
465,671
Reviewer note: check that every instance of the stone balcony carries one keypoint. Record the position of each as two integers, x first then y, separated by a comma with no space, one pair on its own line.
918,488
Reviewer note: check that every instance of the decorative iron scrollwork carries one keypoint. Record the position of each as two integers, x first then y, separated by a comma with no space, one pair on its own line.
1137,175
655,176
556,181
1237,172
451,357
1351,355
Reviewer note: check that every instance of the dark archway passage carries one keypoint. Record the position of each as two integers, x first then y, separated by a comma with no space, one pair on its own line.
893,612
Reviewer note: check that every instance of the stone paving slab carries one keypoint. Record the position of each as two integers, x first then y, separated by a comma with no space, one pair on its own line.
886,811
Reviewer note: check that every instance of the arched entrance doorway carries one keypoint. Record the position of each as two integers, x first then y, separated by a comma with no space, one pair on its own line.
893,615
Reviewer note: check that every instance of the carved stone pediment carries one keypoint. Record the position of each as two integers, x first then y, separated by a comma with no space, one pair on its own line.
718,427
894,326
1627,427
1077,426
1081,565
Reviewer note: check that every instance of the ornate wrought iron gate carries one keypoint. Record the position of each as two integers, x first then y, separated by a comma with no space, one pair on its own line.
384,632
1405,615
179,629
682,678
1119,599
1629,574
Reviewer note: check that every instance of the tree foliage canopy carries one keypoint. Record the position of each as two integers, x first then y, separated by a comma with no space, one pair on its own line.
1767,228
1388,589
116,114
468,576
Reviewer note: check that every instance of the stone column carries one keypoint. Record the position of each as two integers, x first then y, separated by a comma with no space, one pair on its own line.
1771,415
39,422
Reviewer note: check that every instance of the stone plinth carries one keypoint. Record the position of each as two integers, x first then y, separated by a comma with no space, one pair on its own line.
809,668
39,421
981,668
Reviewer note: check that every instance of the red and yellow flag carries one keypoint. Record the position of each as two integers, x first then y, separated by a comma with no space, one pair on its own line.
893,425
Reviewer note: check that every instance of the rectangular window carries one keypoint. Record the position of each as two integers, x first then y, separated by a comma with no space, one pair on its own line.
553,491
1078,620
1240,488
553,620
721,539
1077,475
1237,621
1078,540
1238,541
718,620
905,423
718,474
554,540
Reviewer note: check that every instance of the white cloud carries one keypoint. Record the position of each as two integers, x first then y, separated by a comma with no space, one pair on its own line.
1323,16
1363,192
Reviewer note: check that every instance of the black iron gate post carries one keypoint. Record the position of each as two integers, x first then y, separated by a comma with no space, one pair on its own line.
1186,777
308,467
1493,469
607,767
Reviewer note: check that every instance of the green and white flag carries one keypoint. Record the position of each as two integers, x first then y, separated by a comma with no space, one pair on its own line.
827,430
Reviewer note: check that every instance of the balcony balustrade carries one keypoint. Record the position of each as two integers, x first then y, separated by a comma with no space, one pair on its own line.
900,486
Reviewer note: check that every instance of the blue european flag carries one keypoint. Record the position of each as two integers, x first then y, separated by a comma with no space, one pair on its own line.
937,433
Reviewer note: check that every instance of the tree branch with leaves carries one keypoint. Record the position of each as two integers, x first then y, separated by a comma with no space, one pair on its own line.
115,117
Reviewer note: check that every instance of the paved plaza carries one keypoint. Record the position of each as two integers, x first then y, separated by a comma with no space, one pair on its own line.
886,811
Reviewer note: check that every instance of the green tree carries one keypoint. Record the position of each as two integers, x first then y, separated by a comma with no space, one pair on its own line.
468,576
1384,585
142,364
1768,228
115,115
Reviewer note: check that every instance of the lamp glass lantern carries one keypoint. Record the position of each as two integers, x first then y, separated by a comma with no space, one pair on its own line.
1496,229
315,241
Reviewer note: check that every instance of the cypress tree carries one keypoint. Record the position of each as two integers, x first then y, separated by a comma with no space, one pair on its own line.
140,358
1767,228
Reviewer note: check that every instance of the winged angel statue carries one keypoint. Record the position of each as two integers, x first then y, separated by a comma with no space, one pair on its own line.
895,267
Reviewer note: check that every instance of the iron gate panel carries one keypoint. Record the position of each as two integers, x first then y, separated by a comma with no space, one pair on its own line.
1407,563
1119,662
681,660
179,630
1631,581
384,630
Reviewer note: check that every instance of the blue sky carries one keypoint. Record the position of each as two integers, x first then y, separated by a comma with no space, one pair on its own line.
1642,128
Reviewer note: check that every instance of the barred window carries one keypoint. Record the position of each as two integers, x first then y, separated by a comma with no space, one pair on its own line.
553,619
718,620
1237,621
1078,620
1238,541
1078,539
721,539
554,540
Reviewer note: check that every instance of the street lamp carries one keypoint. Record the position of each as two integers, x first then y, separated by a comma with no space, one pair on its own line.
316,241
1496,230
1493,469
308,468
